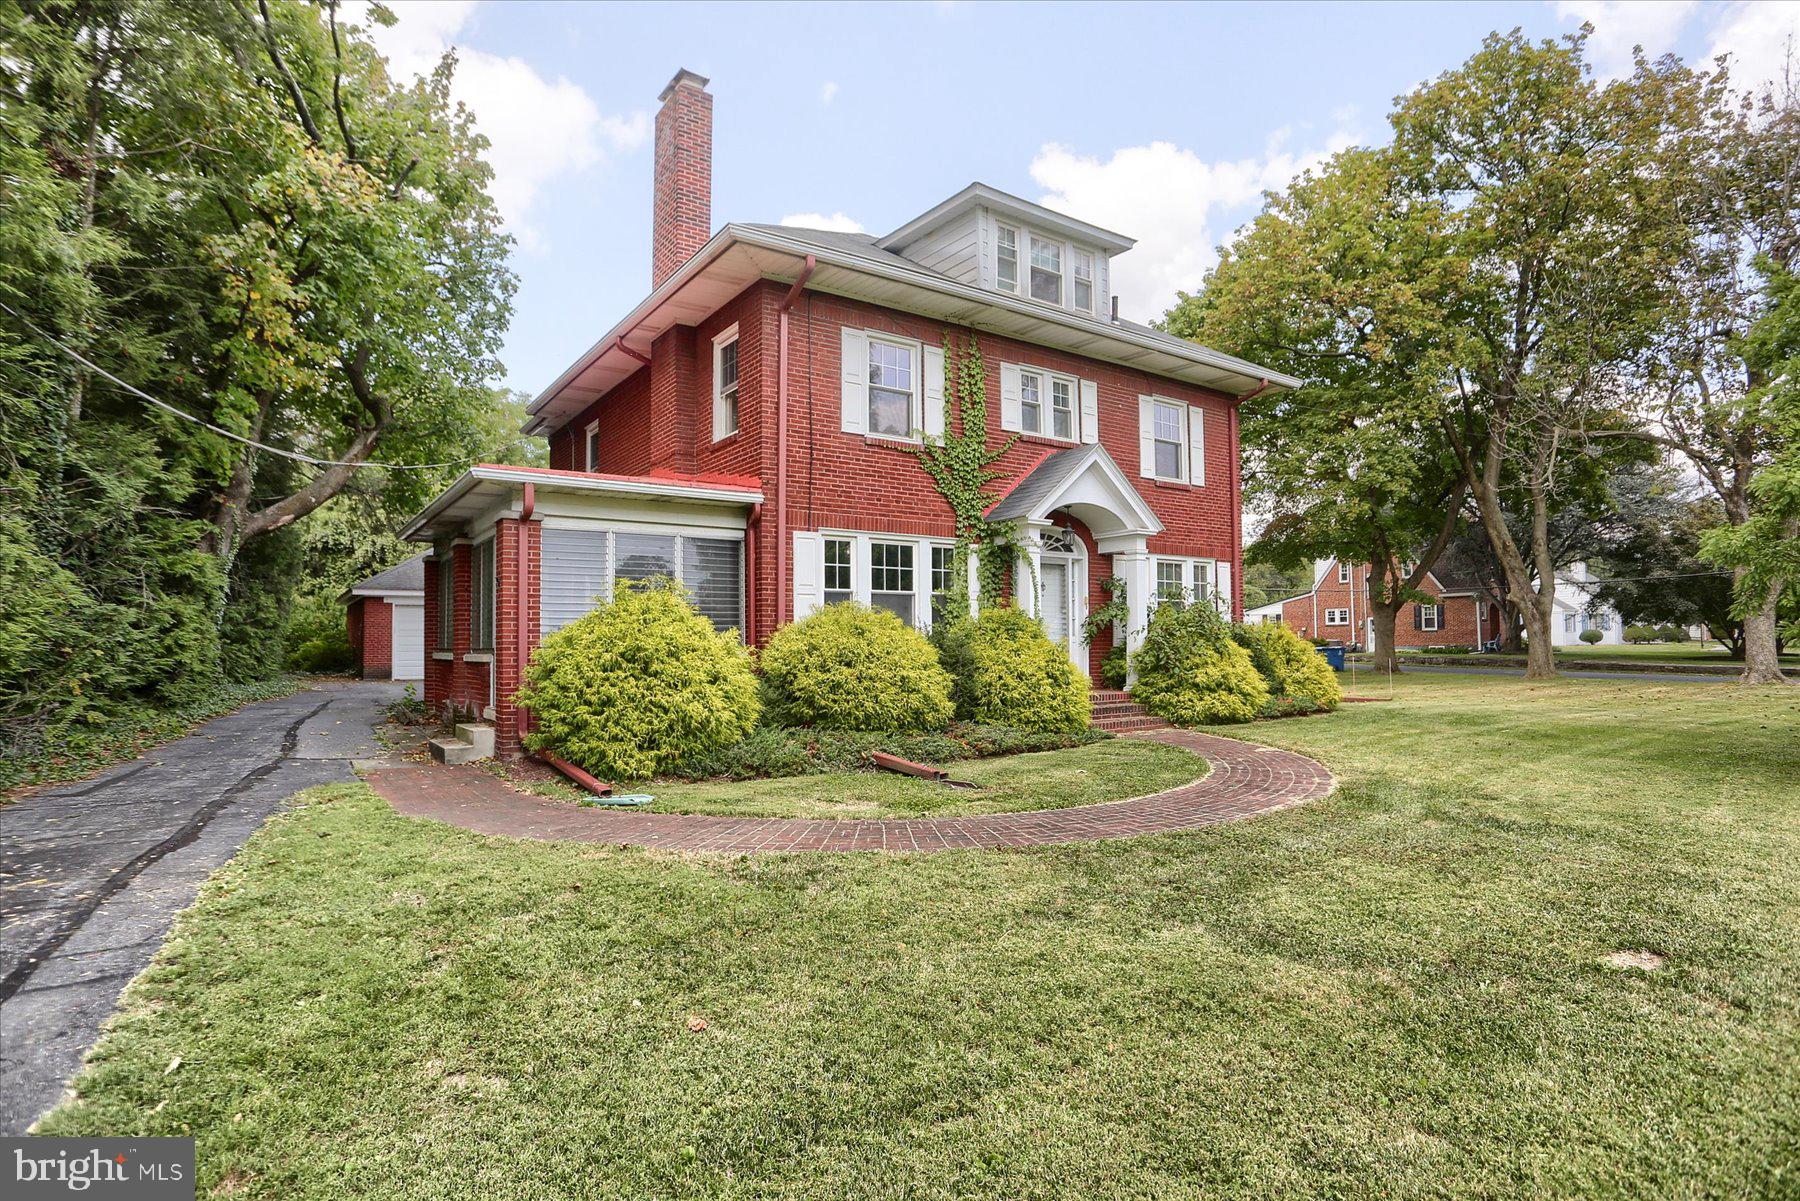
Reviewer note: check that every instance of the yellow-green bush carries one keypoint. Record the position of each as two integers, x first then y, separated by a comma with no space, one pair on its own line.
850,667
1007,672
1292,666
1190,672
638,685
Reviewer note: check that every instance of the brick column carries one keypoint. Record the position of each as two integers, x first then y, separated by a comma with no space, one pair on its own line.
516,557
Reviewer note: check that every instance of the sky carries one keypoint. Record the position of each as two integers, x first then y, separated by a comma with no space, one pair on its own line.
1163,122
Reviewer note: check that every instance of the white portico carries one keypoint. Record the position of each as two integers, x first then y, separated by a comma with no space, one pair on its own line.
1052,581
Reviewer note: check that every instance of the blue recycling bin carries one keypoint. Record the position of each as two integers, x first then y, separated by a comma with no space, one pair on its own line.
1334,655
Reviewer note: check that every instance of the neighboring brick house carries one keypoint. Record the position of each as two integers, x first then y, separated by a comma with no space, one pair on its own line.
750,428
1337,608
386,618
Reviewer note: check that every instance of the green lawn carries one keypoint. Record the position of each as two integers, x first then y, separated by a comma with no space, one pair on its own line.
1083,775
1398,991
1650,652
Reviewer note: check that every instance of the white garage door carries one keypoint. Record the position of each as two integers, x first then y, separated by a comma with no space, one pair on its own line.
409,642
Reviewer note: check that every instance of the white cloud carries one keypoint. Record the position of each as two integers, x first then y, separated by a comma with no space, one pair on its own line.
540,130
1760,37
835,221
1621,24
828,91
1172,201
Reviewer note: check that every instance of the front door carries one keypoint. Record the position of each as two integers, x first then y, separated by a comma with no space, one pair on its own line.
1054,601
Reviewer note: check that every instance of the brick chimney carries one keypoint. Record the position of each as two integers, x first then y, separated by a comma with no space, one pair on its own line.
682,217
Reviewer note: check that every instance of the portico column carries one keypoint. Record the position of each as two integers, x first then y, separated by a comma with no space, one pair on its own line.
1029,570
1133,566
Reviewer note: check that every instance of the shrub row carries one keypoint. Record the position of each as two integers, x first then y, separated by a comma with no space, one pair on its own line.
1195,668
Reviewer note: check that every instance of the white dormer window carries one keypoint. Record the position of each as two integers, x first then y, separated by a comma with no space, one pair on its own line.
1006,248
1343,573
893,389
1082,289
1046,270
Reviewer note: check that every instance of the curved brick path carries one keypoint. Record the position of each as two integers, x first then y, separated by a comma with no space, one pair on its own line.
1245,780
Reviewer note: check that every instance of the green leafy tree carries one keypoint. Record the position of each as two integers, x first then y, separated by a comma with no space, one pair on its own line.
1344,282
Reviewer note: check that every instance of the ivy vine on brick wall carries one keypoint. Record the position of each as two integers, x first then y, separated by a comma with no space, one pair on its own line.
961,465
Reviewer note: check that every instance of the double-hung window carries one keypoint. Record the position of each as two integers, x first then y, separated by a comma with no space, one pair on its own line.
891,578
1343,573
1431,618
1046,270
1006,258
1337,617
1171,587
1082,286
591,448
1062,408
840,580
1568,623
943,563
481,597
725,384
1031,402
446,602
893,389
1168,425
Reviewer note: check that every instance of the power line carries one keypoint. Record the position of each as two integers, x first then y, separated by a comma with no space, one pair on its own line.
222,432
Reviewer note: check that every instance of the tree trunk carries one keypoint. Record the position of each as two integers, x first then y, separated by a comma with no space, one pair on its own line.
1762,659
1512,626
1540,659
1382,617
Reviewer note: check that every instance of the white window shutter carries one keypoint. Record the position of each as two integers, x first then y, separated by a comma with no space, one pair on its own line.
807,559
1196,445
856,382
1146,438
1009,396
1090,411
1222,584
936,411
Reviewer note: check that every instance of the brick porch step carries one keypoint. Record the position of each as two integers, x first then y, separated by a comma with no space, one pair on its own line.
1116,713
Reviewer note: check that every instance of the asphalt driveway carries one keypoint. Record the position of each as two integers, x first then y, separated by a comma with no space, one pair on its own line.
92,874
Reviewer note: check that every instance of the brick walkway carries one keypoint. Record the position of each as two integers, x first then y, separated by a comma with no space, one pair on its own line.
1246,780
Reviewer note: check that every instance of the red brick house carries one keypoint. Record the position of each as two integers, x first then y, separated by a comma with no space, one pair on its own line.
750,428
386,618
1337,608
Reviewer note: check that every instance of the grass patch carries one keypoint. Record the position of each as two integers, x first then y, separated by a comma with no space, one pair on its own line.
1401,991
1109,770
81,752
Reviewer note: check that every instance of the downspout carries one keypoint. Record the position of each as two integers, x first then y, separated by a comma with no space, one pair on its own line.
527,506
1237,519
751,528
783,593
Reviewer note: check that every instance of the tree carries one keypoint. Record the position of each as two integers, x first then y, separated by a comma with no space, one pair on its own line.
1652,572
1554,208
232,209
1702,386
1342,281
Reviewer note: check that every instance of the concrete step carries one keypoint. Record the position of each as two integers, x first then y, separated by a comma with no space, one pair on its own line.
454,752
479,735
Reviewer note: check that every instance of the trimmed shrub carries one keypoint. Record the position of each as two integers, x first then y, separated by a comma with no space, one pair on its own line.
639,684
1005,671
1638,634
1591,636
1190,672
1672,633
1291,666
850,667
791,751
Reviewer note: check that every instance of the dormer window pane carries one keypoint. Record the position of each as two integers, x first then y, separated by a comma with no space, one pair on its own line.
1007,249
1031,402
1083,287
1046,271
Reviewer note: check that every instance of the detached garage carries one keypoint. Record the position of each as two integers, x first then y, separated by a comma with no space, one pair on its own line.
386,616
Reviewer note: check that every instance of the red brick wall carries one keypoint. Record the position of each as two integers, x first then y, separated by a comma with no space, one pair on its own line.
661,419
372,635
